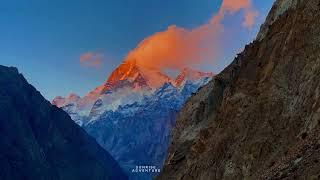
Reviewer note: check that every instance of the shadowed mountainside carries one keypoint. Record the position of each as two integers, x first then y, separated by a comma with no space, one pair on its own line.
40,141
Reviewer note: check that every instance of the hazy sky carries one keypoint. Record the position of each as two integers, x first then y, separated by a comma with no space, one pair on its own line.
49,41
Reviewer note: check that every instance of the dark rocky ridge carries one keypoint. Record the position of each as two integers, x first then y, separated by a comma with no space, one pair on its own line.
259,118
40,141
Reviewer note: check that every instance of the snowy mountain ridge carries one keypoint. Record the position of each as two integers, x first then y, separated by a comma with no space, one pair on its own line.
131,116
126,85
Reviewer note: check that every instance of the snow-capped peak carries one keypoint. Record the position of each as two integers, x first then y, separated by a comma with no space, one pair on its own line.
58,101
73,97
127,84
188,74
130,71
62,101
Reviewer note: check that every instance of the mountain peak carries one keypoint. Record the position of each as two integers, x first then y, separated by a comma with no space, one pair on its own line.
128,78
73,97
190,74
60,101
126,70
130,71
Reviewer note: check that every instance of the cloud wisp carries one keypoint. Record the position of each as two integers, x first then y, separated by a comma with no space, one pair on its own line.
91,59
178,47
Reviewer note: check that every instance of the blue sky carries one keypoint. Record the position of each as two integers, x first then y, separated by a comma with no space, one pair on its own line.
45,39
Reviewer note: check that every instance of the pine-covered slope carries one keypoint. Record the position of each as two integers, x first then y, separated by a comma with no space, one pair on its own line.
40,141
259,118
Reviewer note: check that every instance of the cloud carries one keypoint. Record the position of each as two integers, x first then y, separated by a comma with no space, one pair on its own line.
177,47
234,6
91,59
250,18
169,49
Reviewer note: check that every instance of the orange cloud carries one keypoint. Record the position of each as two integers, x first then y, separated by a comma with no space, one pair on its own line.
233,6
91,59
172,49
249,18
177,47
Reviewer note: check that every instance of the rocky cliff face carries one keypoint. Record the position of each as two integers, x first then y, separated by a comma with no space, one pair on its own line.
40,141
259,118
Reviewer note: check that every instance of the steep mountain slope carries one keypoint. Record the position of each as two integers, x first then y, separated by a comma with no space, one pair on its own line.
127,84
259,118
132,117
40,141
138,133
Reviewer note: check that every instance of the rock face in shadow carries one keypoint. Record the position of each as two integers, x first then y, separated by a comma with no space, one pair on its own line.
259,118
40,141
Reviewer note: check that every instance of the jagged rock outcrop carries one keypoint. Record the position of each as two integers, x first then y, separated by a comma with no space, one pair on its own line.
40,141
259,118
